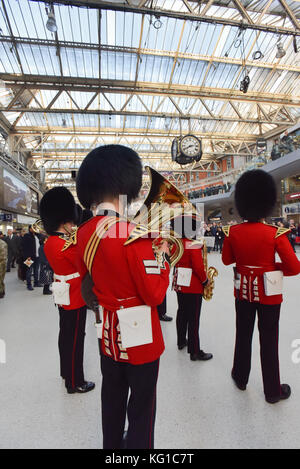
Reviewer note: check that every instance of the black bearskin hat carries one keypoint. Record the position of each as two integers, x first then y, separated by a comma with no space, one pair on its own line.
107,172
57,206
255,195
79,215
86,215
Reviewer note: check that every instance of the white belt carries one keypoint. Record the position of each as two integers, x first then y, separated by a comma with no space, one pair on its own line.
65,278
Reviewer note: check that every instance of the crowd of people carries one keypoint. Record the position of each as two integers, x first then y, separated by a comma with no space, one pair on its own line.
215,230
24,250
108,264
211,190
282,146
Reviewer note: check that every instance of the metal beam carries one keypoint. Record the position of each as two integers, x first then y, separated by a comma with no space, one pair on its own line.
145,51
160,115
39,82
290,14
127,132
176,14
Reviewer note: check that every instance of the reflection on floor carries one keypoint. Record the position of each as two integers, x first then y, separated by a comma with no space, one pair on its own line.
198,405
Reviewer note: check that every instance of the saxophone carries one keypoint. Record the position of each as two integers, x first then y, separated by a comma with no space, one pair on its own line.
211,273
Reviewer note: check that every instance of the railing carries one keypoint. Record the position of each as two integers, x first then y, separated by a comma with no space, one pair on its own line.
230,177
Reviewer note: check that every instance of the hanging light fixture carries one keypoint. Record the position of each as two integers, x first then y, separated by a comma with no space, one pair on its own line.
51,22
280,51
295,45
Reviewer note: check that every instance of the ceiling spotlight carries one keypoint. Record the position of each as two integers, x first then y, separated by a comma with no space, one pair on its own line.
280,51
64,123
51,22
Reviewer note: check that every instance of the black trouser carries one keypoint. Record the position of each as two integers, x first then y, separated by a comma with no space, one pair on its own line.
162,308
71,345
118,379
188,320
9,260
268,325
35,269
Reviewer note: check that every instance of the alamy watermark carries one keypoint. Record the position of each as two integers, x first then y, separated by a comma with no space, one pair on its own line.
296,353
2,352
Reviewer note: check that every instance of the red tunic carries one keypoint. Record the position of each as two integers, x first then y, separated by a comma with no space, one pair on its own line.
192,259
65,263
252,246
125,276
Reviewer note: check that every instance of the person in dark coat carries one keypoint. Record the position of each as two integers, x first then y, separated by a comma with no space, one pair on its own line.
46,273
11,240
22,268
219,237
30,247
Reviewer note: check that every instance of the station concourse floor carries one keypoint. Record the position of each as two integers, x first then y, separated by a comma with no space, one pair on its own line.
198,406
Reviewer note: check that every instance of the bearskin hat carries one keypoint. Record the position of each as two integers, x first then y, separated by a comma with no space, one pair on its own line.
107,172
57,206
79,215
86,215
255,195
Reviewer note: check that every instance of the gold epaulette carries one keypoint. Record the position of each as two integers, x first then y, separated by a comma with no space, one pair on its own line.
281,230
226,230
71,240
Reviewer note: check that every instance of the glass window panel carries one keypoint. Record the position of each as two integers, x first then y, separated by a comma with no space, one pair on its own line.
8,60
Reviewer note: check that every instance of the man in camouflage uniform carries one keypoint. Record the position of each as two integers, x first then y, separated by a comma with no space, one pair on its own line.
3,262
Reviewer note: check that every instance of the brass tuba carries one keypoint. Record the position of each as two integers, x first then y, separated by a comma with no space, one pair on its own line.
38,227
163,203
211,272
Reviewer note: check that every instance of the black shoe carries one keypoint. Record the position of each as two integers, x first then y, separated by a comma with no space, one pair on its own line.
30,287
202,356
37,285
240,386
285,394
181,346
86,387
165,318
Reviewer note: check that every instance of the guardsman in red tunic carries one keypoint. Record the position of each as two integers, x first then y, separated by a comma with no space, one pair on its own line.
59,215
252,246
129,283
189,281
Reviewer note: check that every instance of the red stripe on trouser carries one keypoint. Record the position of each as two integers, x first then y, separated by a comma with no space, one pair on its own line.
74,349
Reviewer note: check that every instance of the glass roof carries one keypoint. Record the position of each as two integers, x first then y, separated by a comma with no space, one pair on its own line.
144,75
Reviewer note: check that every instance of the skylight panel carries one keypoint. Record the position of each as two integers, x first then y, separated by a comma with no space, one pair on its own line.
111,27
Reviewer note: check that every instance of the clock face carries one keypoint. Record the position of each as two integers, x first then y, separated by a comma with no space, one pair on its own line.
190,146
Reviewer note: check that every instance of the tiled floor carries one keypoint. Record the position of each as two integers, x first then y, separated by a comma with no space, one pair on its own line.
198,405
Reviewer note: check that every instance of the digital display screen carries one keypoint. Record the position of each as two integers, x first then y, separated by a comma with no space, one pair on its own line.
15,195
